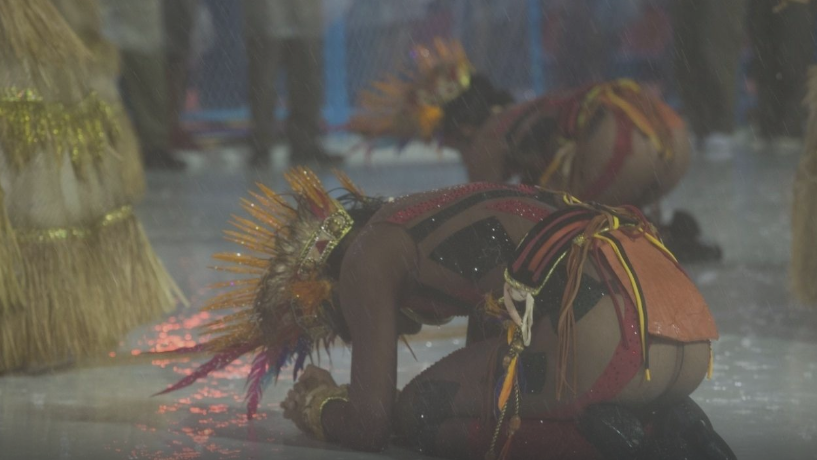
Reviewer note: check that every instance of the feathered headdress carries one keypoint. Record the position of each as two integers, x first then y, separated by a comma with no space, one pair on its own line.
285,309
409,105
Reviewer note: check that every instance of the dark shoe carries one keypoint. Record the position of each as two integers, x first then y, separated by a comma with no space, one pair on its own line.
183,140
260,150
318,158
693,251
683,224
260,160
156,161
683,238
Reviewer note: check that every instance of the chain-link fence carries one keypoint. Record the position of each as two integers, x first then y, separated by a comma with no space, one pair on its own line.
525,46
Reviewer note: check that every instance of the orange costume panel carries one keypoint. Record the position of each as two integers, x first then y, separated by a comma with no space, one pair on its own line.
675,308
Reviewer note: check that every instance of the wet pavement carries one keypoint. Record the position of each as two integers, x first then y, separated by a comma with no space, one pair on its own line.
762,399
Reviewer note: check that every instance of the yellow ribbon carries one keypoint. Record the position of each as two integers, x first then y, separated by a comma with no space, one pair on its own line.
510,376
642,327
607,93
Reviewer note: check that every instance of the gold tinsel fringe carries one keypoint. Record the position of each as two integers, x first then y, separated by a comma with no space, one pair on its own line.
804,210
83,292
29,125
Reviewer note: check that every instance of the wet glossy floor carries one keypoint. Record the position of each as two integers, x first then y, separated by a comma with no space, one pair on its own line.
763,398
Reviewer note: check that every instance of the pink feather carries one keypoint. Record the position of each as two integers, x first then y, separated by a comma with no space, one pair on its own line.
200,348
255,387
219,361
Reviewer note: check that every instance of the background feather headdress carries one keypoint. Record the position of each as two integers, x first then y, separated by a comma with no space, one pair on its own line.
409,104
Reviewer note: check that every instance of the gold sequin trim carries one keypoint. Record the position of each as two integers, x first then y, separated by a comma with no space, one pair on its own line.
63,233
28,125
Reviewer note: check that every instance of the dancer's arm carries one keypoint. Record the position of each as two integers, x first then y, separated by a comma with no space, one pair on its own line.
373,275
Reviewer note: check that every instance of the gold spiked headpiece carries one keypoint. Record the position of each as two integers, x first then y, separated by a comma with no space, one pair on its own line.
410,104
285,308
289,245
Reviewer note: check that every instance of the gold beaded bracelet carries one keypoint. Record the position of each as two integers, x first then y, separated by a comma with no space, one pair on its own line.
316,400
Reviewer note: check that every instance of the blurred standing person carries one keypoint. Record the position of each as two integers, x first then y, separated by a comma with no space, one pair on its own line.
492,32
708,40
382,33
288,34
179,20
783,47
583,55
136,28
591,35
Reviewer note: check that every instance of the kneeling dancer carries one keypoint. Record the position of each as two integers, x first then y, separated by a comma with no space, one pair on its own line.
609,142
606,337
